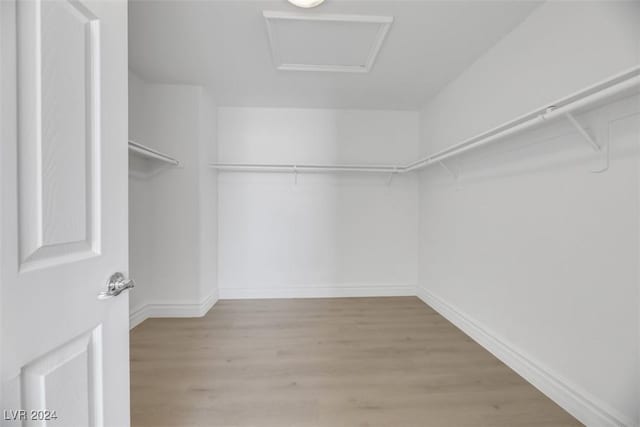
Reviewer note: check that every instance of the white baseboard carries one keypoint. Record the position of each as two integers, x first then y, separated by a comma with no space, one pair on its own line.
138,315
161,309
318,291
577,402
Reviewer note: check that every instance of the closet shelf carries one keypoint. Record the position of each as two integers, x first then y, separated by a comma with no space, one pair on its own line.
150,153
616,87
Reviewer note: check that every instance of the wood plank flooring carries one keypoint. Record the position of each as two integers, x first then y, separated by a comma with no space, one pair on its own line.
325,362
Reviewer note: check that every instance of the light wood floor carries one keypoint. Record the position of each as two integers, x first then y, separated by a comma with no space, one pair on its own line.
325,362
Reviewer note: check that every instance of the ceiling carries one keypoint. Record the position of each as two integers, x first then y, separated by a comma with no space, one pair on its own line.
224,46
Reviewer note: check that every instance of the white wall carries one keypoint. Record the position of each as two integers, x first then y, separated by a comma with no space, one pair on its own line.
172,213
327,235
530,252
208,198
140,200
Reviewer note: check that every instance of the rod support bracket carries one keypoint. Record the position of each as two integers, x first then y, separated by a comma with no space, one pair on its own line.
455,174
583,132
391,174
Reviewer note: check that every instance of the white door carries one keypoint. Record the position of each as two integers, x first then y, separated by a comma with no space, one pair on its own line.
63,166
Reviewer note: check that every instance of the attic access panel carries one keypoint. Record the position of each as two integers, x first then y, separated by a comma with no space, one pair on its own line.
335,43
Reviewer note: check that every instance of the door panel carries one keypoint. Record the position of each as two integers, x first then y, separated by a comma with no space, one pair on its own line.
59,123
63,166
68,379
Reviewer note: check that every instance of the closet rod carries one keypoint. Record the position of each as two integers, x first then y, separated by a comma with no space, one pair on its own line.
304,167
151,153
620,84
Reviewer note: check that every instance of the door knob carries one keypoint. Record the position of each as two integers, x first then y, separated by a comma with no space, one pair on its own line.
116,284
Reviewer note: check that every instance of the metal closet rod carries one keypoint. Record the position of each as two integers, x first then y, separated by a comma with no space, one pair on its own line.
562,108
151,153
305,167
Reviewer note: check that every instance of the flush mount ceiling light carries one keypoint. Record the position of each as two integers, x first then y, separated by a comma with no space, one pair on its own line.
306,3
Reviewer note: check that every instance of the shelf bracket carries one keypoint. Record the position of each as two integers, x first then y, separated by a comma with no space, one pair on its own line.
450,170
583,132
395,171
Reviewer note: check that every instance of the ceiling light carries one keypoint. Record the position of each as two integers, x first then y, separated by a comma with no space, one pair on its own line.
306,3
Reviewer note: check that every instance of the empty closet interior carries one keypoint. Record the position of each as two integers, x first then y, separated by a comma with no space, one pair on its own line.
482,156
